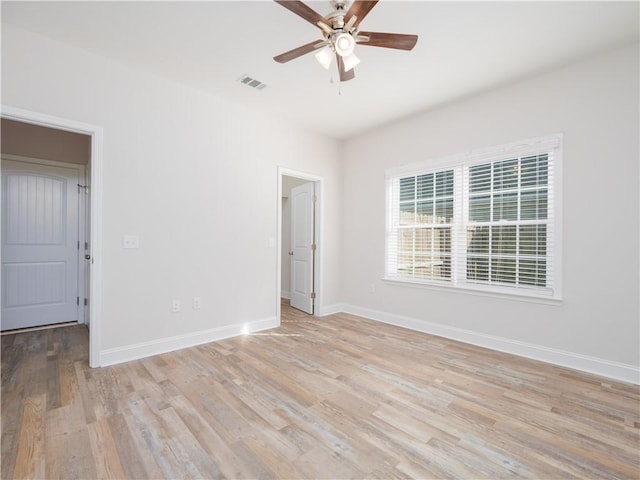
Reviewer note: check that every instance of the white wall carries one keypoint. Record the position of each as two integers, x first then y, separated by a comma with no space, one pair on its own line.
192,174
595,104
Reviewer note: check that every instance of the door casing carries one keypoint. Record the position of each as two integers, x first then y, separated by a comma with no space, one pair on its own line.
95,202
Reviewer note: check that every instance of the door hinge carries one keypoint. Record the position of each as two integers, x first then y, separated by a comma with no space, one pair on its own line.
86,302
78,244
77,300
86,245
313,247
313,295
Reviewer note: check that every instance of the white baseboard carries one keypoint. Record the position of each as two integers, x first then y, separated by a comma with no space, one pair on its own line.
136,351
331,309
285,295
585,363
598,366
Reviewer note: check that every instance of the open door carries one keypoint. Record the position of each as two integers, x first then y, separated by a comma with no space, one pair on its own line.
302,247
40,243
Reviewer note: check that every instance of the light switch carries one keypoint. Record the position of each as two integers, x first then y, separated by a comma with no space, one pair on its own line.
130,241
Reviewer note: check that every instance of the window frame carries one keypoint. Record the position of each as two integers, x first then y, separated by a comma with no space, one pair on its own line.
461,164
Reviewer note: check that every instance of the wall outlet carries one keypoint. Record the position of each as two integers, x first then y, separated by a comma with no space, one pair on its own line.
197,303
130,241
176,306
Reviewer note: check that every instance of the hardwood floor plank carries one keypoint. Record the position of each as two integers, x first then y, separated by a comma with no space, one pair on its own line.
582,463
67,447
227,463
84,393
323,462
30,453
145,423
135,458
188,449
12,409
274,451
53,382
336,397
104,450
68,381
362,444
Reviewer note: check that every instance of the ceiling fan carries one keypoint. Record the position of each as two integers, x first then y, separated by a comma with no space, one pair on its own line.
341,34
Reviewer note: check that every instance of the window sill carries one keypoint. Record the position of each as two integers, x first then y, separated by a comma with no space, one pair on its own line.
480,291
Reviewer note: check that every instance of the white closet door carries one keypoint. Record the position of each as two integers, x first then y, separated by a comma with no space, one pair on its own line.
302,244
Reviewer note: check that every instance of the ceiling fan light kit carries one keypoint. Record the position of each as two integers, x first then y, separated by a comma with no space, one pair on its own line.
350,61
325,57
344,44
341,34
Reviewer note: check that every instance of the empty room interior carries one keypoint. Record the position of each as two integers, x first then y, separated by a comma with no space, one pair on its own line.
320,239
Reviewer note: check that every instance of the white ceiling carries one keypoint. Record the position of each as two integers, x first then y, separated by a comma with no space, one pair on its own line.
463,48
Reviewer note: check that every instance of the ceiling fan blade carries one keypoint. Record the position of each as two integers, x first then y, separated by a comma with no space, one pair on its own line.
298,52
302,10
344,76
399,41
349,26
360,9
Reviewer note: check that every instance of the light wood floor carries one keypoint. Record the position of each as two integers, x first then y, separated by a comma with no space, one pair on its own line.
340,397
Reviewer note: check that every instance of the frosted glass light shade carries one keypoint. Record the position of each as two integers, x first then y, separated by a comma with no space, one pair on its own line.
350,62
324,57
344,44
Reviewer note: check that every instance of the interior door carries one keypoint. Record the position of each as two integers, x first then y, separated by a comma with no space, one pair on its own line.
302,247
39,245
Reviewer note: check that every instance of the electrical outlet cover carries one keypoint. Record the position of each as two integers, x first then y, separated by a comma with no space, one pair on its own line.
176,306
130,241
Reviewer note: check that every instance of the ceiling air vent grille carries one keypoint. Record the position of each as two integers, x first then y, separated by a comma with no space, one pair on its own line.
252,82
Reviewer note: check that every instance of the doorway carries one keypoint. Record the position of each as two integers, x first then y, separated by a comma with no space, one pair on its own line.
299,240
90,220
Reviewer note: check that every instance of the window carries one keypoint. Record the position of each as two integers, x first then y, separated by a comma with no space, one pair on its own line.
483,221
424,227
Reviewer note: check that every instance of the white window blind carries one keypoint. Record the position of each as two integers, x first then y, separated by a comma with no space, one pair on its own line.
485,220
422,216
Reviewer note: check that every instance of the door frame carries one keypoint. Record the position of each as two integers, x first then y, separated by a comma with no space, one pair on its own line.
95,206
317,270
82,205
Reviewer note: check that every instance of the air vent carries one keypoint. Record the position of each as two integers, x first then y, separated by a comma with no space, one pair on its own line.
252,82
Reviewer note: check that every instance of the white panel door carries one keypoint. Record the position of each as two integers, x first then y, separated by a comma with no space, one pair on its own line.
39,245
302,244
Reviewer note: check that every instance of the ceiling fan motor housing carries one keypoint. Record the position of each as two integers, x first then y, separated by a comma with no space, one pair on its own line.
335,19
339,4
